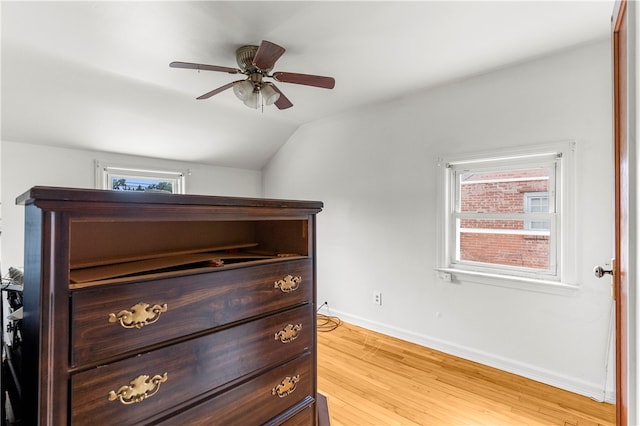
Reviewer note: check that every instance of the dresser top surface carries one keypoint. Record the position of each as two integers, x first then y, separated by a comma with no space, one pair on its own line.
60,194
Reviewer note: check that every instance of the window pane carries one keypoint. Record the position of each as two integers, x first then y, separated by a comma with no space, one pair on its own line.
121,183
542,225
538,204
503,243
503,191
128,178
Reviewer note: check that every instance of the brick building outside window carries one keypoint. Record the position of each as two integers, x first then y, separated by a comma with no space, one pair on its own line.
520,243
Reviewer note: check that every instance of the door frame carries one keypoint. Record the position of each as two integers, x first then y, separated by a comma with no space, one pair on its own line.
623,73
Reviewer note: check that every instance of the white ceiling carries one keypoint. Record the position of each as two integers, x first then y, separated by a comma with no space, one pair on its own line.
95,75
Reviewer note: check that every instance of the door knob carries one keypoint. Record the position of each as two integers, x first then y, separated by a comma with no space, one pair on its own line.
600,272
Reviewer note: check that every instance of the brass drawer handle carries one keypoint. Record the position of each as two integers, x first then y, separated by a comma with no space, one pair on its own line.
286,386
141,314
138,389
288,283
289,333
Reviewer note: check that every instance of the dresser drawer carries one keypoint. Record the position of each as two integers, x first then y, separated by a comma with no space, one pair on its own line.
258,400
136,388
305,417
109,321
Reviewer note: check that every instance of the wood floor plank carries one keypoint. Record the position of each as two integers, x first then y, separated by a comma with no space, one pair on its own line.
373,379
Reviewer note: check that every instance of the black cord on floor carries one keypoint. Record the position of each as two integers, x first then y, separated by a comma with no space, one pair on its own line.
327,322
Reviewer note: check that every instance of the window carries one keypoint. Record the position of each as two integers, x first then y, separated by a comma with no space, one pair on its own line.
124,178
506,216
536,202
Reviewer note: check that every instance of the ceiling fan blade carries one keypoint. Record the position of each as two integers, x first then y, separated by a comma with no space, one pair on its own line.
282,102
306,79
267,55
191,66
218,90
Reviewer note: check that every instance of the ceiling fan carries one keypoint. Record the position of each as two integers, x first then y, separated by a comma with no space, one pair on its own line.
256,62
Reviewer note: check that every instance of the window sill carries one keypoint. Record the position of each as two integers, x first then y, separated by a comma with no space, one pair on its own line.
519,283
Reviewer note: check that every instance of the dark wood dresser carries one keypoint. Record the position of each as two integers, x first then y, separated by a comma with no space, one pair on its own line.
152,308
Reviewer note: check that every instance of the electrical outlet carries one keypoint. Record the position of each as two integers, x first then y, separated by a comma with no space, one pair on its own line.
377,298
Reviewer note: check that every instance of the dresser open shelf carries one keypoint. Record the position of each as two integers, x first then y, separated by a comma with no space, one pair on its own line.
148,308
131,249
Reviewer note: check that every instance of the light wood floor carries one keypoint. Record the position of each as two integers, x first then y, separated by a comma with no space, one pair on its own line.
372,379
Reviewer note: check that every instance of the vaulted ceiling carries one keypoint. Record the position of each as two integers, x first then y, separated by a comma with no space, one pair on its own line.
96,75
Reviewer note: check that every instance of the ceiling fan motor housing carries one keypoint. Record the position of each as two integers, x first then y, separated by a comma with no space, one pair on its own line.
244,57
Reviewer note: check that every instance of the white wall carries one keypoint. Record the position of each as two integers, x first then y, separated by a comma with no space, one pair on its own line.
26,165
375,170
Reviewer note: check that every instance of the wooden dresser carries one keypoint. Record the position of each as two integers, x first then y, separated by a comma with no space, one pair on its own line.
152,308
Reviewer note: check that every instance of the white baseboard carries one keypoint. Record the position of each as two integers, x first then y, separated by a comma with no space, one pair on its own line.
571,384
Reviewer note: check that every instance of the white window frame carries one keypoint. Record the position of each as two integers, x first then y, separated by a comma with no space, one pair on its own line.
105,172
562,273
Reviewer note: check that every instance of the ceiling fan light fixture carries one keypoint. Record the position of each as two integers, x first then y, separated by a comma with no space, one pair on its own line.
243,89
269,94
253,100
